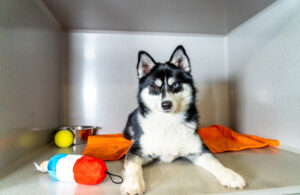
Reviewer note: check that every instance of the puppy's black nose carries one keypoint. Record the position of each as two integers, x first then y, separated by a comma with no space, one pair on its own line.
166,105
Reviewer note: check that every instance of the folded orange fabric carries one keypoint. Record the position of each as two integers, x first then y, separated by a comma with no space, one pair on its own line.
220,139
216,137
107,147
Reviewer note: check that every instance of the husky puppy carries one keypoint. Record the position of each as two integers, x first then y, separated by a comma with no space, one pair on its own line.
164,126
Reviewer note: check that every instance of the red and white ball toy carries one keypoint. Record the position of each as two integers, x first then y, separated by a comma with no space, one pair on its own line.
76,168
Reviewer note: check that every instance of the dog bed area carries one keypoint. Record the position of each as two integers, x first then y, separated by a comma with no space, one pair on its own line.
267,170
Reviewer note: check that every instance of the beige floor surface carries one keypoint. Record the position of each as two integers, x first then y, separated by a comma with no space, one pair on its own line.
267,171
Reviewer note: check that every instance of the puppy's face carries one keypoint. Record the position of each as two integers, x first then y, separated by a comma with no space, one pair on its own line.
165,87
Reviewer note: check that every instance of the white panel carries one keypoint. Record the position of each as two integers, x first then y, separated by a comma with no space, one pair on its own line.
240,11
30,54
101,79
188,16
193,16
264,67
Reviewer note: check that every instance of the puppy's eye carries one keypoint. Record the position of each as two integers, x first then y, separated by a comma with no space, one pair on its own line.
175,85
154,87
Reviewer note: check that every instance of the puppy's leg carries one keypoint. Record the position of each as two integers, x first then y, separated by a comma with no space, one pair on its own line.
226,177
133,176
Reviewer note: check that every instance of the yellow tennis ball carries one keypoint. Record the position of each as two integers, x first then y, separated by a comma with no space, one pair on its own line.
63,138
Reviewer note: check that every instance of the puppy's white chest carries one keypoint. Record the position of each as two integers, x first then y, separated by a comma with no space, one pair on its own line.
167,136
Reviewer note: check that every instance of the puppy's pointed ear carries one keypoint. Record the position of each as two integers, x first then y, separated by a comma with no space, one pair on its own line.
180,59
145,64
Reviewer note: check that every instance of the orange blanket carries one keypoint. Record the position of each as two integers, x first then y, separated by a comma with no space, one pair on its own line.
216,137
220,139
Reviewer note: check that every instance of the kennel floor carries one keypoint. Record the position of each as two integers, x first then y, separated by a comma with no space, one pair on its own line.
267,171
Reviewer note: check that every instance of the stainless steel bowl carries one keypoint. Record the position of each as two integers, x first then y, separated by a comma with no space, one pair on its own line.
81,133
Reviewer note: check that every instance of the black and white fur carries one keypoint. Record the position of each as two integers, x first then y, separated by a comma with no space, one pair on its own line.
165,124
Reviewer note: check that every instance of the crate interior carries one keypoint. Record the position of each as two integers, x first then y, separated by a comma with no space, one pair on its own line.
74,62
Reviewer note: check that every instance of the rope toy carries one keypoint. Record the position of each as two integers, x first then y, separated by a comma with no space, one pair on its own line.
76,168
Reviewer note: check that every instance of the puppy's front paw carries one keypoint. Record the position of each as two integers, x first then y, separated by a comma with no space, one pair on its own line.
133,186
231,179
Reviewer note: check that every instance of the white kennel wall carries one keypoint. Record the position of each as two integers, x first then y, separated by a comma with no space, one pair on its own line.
30,62
260,62
264,74
101,81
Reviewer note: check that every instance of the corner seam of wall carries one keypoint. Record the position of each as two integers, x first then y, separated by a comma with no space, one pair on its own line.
48,13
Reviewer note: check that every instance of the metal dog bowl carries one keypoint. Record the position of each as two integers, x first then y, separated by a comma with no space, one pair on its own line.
81,133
